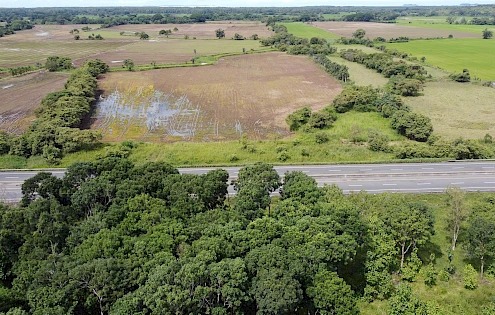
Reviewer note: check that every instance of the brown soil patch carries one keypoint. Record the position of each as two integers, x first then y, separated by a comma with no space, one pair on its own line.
388,30
116,58
203,31
248,94
20,96
49,32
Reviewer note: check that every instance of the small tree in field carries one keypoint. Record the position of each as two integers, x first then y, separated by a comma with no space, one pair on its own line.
359,33
487,34
129,64
220,33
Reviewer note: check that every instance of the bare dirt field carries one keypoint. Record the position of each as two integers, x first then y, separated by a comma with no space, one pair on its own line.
20,96
202,30
388,31
247,94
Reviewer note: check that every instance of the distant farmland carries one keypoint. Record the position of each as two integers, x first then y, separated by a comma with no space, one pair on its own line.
454,55
242,95
388,30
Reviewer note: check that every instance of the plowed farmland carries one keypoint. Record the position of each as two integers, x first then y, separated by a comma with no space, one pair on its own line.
200,30
388,30
242,95
20,96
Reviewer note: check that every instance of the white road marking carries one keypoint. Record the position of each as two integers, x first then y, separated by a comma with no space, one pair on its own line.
458,167
423,184
335,170
427,168
457,183
489,182
11,177
396,169
389,184
305,171
355,185
487,167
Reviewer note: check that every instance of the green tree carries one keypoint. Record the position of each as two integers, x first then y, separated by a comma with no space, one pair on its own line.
219,33
129,64
480,236
359,33
298,118
403,302
144,36
409,224
331,295
458,212
487,34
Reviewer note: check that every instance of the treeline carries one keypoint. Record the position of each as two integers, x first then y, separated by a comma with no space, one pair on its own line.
15,25
56,131
285,41
338,71
21,70
405,79
114,238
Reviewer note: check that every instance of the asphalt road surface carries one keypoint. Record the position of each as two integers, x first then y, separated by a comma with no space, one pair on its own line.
373,178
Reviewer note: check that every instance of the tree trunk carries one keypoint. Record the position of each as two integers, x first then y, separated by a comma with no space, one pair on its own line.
482,266
402,256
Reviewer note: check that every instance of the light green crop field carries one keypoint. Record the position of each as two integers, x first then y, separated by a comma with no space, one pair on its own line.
300,29
457,109
440,23
361,75
454,55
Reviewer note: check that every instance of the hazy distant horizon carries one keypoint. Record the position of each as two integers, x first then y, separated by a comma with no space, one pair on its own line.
225,3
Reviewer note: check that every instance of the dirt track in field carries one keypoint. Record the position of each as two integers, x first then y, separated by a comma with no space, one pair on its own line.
249,94
388,31
20,96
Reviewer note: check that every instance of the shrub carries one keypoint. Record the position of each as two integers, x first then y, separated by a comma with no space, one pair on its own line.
298,118
321,137
461,77
283,156
322,119
377,142
470,277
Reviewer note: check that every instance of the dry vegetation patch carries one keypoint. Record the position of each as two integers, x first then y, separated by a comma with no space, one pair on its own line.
20,96
247,94
457,109
388,30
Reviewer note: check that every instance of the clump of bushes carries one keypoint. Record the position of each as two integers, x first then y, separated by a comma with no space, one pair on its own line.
461,77
312,120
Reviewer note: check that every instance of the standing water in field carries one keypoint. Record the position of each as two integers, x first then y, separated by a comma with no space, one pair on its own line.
145,112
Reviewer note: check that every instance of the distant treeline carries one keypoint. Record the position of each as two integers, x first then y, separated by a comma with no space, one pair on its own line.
164,15
15,25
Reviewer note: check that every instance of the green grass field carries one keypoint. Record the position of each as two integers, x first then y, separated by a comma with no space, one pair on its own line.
302,30
457,109
440,23
454,55
361,75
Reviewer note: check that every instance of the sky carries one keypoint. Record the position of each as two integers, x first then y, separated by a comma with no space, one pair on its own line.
226,3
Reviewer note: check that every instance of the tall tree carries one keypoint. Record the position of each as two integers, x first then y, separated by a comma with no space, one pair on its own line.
457,214
480,236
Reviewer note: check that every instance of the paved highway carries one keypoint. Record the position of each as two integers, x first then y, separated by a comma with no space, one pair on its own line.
374,178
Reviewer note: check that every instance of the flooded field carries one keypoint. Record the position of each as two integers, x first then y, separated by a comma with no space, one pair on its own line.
250,94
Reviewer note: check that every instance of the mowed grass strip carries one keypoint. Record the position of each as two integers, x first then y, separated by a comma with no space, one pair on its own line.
457,109
302,30
202,46
454,55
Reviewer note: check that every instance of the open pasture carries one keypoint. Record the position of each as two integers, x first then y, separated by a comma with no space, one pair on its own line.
388,31
303,30
241,95
199,30
457,109
20,96
454,55
440,23
171,50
